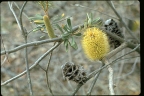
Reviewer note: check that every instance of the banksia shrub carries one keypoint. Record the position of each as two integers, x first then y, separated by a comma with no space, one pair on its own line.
95,43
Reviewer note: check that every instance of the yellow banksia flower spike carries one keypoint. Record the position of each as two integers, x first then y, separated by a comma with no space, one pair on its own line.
48,26
95,43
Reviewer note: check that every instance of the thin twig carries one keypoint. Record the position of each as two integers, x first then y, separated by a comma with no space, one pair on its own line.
95,79
46,71
121,67
78,87
133,67
26,54
47,74
129,44
127,53
127,58
6,55
21,24
78,5
19,9
114,52
129,31
16,18
36,63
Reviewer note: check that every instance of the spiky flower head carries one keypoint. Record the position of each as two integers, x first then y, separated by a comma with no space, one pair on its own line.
95,43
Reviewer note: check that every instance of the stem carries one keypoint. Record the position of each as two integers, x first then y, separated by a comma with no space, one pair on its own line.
24,33
95,79
36,43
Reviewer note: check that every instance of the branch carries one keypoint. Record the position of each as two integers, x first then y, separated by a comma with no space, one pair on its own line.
106,62
31,44
46,71
24,33
133,67
21,24
108,55
92,74
95,79
10,6
78,87
129,44
36,63
130,32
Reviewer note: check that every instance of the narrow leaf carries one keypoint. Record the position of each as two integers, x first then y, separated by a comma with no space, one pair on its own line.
78,34
73,43
66,44
69,24
66,28
59,28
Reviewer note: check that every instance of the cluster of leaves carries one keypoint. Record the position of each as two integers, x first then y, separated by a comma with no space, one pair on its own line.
67,34
91,22
66,30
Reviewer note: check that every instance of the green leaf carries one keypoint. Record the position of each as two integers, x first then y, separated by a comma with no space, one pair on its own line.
66,44
65,36
66,28
36,29
78,34
73,43
59,28
69,24
56,18
97,22
42,36
91,16
36,17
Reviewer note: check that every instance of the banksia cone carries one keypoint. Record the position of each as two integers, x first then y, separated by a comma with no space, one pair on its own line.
95,43
112,26
74,72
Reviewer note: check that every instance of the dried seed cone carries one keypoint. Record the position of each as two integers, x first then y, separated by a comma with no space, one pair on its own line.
95,43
